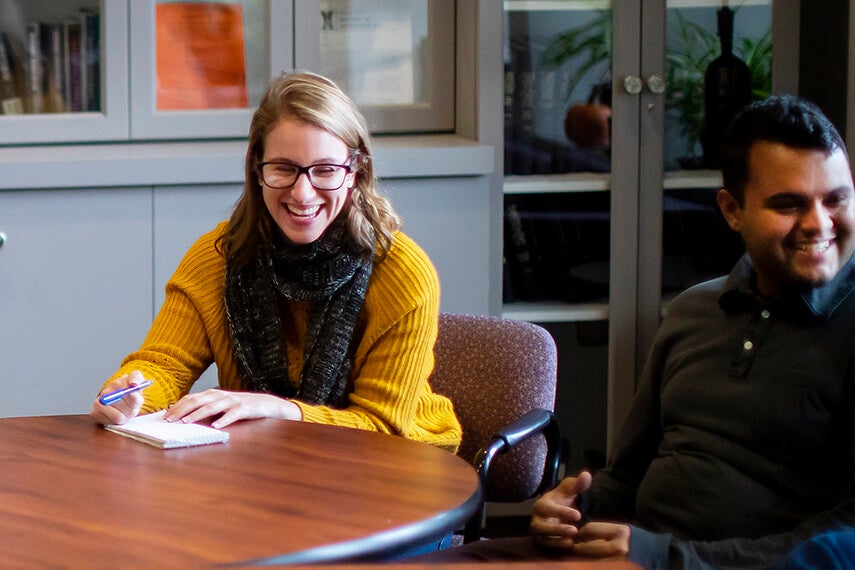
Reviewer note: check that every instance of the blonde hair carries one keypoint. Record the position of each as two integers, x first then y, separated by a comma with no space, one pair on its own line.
315,100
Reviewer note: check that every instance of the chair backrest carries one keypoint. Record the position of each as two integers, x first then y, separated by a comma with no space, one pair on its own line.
495,370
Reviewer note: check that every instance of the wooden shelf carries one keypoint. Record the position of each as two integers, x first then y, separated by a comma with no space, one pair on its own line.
554,5
555,311
692,179
594,182
556,183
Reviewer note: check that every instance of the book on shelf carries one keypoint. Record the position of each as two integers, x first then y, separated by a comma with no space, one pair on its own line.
34,97
71,64
10,100
52,55
524,277
519,99
555,250
507,281
90,60
59,66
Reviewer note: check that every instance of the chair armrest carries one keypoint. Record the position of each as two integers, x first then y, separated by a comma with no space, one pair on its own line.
536,421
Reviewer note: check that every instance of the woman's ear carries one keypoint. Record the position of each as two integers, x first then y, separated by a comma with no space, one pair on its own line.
730,209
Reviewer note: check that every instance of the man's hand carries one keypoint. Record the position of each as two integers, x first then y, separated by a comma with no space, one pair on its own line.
601,539
555,518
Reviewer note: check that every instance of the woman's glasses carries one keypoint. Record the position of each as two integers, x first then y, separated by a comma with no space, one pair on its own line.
326,177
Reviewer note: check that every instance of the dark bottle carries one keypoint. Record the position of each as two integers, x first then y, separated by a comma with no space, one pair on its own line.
727,89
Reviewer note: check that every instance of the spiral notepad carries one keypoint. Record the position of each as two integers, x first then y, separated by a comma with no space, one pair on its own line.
153,430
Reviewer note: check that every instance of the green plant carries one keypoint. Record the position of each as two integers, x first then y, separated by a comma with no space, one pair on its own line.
591,41
758,57
686,68
685,77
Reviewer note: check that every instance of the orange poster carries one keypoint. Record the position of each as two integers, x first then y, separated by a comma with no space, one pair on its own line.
200,56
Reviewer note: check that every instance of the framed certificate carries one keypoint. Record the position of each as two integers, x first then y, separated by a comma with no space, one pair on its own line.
394,59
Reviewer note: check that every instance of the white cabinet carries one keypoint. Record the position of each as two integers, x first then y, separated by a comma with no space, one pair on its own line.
268,30
75,293
181,215
450,219
147,49
445,185
111,122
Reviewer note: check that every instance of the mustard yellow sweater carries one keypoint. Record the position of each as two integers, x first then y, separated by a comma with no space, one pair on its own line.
396,332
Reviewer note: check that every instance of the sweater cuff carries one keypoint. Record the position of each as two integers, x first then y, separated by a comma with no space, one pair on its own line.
306,412
647,549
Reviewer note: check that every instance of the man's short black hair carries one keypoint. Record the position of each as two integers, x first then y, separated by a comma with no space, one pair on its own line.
784,119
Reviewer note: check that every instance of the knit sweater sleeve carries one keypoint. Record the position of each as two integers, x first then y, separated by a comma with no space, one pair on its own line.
394,357
392,363
187,334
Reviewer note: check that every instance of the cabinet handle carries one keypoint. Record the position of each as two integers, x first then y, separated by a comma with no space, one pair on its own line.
2,238
656,84
633,84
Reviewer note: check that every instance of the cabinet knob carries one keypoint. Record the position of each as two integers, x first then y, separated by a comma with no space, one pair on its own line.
633,84
656,84
2,238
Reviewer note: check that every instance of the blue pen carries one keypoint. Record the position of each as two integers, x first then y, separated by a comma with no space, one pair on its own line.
111,398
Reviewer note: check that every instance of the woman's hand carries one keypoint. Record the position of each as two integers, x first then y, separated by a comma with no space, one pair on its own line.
555,518
123,410
231,407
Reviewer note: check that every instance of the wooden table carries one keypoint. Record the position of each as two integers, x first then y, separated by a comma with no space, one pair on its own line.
73,494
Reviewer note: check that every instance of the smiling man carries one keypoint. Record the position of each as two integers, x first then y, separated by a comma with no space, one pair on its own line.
739,444
794,212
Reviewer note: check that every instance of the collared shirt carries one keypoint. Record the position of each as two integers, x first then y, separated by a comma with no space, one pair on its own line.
743,421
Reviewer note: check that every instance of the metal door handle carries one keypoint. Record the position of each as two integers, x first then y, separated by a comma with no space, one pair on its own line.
633,84
2,238
656,84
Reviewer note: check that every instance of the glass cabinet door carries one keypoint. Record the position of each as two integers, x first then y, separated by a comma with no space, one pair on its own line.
63,71
396,60
564,144
681,237
207,64
609,199
557,159
176,70
696,242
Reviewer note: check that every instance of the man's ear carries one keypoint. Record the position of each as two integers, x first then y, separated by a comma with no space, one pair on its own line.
730,209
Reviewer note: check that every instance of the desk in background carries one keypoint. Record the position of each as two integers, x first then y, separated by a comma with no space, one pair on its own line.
76,495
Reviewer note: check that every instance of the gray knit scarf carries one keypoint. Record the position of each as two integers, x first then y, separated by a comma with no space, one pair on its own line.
330,273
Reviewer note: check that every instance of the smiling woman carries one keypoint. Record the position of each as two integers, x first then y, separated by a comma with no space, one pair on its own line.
291,296
304,206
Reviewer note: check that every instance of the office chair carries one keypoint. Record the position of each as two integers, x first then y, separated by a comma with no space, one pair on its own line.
500,375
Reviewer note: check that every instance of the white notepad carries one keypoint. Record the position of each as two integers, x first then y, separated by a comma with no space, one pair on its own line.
153,430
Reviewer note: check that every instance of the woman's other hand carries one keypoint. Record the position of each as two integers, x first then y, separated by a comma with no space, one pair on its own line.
229,407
